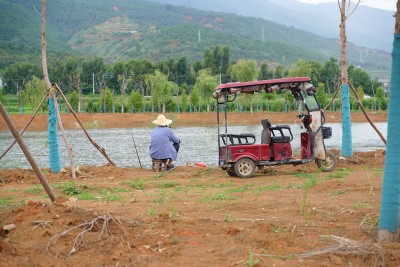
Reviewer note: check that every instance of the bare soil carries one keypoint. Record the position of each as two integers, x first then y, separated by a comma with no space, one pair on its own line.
131,120
194,216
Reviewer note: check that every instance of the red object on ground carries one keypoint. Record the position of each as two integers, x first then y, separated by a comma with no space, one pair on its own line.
199,164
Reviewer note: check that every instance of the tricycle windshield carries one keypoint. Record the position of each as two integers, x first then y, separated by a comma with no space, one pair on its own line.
310,101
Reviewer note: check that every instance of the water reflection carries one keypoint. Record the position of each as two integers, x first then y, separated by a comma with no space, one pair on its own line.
197,144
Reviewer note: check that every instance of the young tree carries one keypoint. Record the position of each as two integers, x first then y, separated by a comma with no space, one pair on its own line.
389,219
184,101
330,75
106,100
54,151
380,98
347,150
244,71
205,85
34,91
73,100
321,95
136,100
194,99
161,88
265,72
300,68
121,70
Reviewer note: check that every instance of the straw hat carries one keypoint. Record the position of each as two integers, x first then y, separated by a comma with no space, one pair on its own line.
162,120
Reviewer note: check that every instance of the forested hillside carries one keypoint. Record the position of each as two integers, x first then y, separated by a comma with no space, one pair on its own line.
135,29
367,27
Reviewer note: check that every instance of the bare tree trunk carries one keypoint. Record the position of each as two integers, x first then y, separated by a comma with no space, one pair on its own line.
347,149
389,213
48,85
78,85
69,149
343,44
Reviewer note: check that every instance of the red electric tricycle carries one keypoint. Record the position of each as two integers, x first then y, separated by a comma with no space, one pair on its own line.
240,155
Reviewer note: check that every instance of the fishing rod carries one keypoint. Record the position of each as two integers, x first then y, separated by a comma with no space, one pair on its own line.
136,150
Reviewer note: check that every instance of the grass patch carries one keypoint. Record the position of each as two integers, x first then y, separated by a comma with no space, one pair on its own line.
220,196
6,202
120,190
279,230
228,218
364,203
240,189
275,186
108,195
162,196
152,212
341,173
338,192
251,262
223,185
12,190
35,190
168,184
370,220
137,184
85,196
311,182
72,190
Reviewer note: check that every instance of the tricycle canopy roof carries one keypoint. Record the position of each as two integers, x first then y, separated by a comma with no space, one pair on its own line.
295,85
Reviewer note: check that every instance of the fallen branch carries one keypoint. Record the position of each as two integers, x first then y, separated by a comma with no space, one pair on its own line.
101,222
344,246
43,224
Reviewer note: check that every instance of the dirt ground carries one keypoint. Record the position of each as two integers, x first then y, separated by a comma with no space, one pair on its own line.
195,216
129,120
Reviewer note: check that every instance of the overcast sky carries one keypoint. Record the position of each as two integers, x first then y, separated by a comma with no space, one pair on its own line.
382,4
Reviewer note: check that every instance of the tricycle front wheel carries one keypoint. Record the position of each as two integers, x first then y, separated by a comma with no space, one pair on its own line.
329,164
245,168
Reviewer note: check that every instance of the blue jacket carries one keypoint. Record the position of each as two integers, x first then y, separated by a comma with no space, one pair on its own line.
161,143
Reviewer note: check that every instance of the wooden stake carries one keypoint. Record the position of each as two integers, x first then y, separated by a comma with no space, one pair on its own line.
27,154
102,150
26,126
366,115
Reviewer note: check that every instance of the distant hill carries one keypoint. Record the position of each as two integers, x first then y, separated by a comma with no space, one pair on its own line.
136,29
368,27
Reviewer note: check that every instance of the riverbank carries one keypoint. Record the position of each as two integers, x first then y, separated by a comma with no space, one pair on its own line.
133,120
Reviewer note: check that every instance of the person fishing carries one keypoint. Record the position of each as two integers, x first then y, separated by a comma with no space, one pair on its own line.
164,144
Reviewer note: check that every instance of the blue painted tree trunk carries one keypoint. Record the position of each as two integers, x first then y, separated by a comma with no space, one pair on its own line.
347,149
54,151
389,213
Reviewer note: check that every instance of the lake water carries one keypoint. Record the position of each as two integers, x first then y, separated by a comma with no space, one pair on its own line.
198,144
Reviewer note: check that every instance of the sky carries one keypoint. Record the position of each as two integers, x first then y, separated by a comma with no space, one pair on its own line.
382,4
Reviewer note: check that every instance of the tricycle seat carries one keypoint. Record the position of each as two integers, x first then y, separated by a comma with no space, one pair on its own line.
281,134
238,139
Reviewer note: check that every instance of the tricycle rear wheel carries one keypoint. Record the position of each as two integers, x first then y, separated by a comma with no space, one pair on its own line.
245,168
329,164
